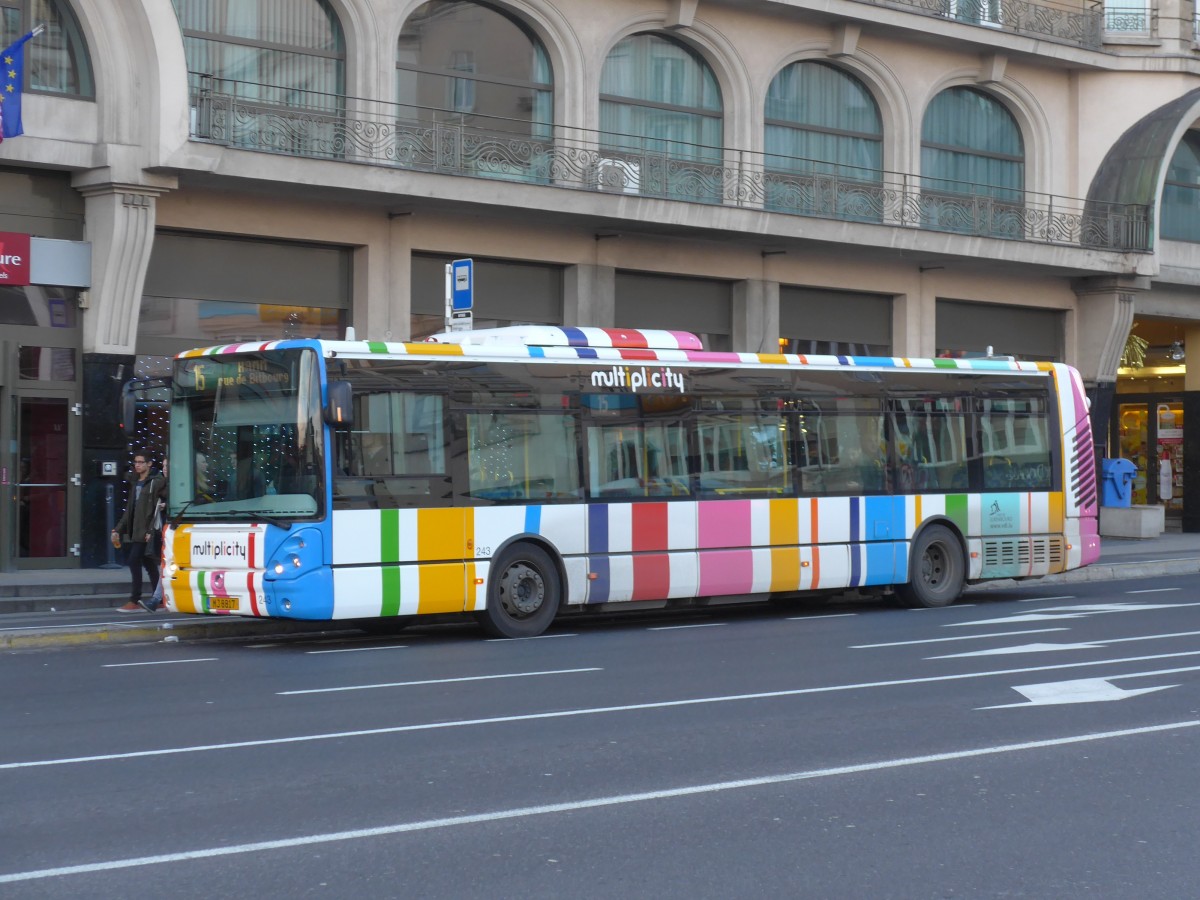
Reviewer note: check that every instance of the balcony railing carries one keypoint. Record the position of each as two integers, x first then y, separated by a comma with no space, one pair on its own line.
1063,22
1132,21
374,133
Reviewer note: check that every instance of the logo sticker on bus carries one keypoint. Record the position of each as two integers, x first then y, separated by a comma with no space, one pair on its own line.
639,379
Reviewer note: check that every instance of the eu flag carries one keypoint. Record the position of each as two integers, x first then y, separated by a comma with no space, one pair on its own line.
12,84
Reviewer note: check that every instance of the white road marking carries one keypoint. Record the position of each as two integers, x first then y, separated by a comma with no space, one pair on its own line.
586,711
158,662
122,624
1023,648
1082,690
681,627
358,649
589,803
1153,590
536,637
1094,645
367,687
1044,599
1071,612
822,616
957,637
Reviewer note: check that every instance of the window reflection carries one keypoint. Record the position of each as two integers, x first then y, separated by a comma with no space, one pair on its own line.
205,322
48,307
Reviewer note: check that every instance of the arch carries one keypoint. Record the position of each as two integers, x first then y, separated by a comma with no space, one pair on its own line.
1023,105
818,111
970,139
718,53
57,61
823,143
1181,191
661,120
472,59
545,20
884,88
1134,171
286,52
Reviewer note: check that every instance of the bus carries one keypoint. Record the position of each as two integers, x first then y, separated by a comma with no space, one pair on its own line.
523,473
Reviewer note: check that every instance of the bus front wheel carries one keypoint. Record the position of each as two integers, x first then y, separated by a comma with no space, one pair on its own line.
523,593
938,570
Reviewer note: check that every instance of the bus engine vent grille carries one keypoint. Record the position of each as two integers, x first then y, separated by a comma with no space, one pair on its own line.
1005,552
1043,553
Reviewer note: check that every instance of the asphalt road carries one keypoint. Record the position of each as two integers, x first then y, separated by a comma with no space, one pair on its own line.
1031,743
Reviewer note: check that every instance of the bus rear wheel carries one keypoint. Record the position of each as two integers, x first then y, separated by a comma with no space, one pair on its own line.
938,570
523,593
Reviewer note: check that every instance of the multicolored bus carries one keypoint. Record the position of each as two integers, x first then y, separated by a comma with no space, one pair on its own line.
519,474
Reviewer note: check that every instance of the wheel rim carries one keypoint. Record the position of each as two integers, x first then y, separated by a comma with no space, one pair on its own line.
934,566
522,590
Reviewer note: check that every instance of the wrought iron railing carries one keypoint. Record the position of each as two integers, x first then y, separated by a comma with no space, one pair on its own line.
1129,20
1065,22
370,132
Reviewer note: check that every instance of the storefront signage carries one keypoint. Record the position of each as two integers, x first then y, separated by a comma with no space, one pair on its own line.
14,258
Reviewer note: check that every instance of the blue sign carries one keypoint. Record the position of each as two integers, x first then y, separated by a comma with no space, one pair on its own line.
462,285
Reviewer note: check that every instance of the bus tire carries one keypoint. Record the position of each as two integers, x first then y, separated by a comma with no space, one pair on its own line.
524,592
937,571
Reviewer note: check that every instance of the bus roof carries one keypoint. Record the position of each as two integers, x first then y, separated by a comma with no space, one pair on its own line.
608,345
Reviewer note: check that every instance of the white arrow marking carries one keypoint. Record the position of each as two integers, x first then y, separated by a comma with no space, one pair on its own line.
1083,690
1024,617
1044,647
1025,648
1116,607
1071,612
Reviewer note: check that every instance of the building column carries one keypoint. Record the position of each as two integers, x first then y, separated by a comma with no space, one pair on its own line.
755,316
590,296
1104,315
119,223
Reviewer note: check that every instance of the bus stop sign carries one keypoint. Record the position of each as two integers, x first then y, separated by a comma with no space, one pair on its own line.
462,294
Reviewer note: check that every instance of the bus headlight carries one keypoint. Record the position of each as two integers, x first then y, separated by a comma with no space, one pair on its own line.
280,567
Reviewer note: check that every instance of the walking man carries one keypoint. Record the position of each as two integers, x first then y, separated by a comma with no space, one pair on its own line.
137,529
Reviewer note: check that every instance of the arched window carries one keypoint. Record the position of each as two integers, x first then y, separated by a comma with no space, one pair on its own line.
57,59
660,118
483,73
971,147
822,121
280,63
1181,193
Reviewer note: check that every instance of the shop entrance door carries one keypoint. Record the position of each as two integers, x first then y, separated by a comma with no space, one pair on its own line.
1150,435
44,475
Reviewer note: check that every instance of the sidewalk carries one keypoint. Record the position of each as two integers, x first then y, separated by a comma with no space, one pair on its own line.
62,607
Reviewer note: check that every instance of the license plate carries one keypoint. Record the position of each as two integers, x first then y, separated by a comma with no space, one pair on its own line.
228,603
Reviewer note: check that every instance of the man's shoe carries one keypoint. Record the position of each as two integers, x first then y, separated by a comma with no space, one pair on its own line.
131,606
147,606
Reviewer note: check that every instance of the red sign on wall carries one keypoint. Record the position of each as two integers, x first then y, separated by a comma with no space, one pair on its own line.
14,258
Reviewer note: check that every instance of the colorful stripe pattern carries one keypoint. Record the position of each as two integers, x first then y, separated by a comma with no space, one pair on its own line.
405,562
611,344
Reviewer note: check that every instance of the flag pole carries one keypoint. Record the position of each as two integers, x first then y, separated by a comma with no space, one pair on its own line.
38,30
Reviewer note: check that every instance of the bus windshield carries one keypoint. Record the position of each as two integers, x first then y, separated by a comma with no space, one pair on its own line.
246,437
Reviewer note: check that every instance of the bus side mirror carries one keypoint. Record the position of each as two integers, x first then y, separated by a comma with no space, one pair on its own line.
338,410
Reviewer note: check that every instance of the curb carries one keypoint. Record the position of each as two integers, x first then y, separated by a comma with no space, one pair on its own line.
1100,572
172,630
